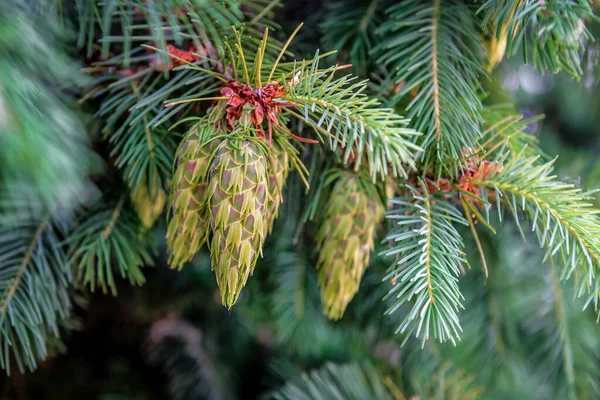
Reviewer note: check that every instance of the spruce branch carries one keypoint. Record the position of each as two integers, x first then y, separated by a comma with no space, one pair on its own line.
109,236
552,31
351,121
355,381
428,258
506,131
34,281
300,325
295,301
562,217
491,335
144,92
145,154
126,23
565,352
349,27
332,381
447,382
525,311
431,48
178,347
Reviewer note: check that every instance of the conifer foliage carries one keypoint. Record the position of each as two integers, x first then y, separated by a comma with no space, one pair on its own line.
129,129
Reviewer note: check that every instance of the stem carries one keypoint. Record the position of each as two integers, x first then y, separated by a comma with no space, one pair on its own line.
113,218
434,69
369,14
427,205
24,263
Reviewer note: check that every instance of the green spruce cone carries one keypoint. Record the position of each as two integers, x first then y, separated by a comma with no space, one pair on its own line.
345,241
278,169
148,204
188,226
238,187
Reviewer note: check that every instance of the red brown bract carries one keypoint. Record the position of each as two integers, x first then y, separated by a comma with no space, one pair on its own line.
473,169
477,170
181,57
245,102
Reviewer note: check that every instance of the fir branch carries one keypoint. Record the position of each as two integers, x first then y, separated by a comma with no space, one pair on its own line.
491,338
142,146
128,22
351,121
432,50
506,131
178,348
295,301
109,236
34,280
145,92
564,221
350,381
447,382
525,311
429,256
145,154
553,30
566,346
349,26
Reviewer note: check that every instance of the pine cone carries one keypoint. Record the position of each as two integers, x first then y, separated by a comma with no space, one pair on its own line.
345,241
238,187
148,205
278,169
188,226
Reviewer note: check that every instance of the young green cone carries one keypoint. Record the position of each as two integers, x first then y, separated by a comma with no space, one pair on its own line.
148,205
345,240
277,171
238,188
188,225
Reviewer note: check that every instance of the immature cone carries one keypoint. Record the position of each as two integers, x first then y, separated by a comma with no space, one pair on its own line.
496,48
188,225
148,205
345,241
238,187
278,168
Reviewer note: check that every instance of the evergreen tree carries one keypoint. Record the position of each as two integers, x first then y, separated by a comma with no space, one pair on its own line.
351,203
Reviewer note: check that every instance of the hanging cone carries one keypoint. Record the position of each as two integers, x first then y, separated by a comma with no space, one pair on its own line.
277,169
238,188
345,241
147,205
496,47
188,225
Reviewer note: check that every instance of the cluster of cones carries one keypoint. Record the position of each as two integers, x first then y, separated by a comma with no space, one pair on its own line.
226,192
